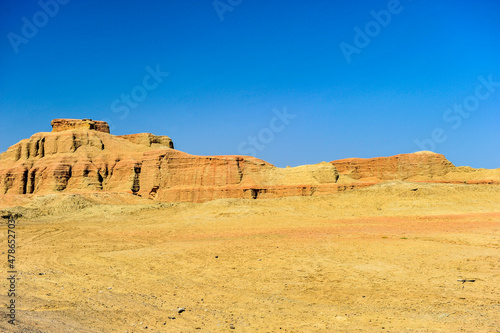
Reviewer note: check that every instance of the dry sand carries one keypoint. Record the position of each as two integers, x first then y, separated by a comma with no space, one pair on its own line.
380,259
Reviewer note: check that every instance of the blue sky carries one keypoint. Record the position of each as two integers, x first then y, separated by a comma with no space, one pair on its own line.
292,82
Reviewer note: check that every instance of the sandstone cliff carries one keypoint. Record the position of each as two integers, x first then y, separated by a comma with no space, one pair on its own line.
417,166
79,159
423,166
59,125
81,156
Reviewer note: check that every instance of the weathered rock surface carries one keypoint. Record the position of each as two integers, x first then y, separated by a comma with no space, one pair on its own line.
83,159
81,156
416,166
59,125
149,140
423,166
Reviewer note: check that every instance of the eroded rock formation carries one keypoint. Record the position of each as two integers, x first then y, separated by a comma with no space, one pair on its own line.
59,125
150,140
423,166
81,156
86,159
417,166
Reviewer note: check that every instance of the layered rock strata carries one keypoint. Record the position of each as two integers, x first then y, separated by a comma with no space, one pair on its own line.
82,159
59,125
81,156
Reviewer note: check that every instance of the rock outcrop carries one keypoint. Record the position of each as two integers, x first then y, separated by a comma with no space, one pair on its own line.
149,140
86,159
423,166
59,125
81,156
417,166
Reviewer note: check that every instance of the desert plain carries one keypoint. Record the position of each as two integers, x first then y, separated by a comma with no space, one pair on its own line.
384,258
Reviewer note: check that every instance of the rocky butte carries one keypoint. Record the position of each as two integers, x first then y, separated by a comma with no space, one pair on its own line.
82,156
59,125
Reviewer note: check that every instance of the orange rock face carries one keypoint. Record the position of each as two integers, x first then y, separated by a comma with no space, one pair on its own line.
83,159
416,166
82,156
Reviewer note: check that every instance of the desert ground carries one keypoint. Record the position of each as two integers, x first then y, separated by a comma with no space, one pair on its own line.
385,258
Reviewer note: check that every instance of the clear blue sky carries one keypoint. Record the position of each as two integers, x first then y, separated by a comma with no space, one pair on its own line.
232,66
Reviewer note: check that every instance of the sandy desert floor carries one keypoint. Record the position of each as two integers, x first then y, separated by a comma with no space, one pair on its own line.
380,259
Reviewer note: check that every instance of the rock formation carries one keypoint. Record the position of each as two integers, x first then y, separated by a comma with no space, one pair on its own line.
59,125
150,140
422,165
81,156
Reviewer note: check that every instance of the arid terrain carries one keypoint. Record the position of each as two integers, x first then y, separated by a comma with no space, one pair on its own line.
127,234
384,258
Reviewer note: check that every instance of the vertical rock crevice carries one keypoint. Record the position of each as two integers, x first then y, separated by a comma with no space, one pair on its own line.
136,182
24,181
